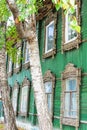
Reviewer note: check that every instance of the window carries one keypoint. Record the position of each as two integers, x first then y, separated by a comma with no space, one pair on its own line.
9,65
18,57
49,80
15,96
70,38
49,94
49,36
71,78
70,34
14,99
70,104
24,97
27,53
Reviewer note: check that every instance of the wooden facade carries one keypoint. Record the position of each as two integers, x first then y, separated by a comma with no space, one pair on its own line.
62,62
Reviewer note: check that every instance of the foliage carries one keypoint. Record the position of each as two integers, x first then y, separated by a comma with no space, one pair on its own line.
68,6
8,33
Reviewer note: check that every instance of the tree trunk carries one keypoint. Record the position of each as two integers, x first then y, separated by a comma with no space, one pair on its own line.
45,122
9,116
29,32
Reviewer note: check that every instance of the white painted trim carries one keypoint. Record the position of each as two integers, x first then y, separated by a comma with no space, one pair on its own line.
83,122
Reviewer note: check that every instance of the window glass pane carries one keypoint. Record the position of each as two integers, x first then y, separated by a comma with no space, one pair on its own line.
24,99
14,99
49,101
69,32
48,87
49,95
71,85
49,36
27,53
73,105
70,98
18,57
10,65
67,105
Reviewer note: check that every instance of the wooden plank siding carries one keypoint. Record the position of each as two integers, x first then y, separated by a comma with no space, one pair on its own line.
56,64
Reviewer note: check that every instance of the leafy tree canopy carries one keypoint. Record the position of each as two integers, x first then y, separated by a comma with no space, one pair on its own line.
8,31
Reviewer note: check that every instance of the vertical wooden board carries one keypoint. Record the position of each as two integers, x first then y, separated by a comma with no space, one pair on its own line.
57,98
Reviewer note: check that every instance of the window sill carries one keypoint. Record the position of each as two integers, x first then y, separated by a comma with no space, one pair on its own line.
49,54
70,121
71,44
26,65
23,113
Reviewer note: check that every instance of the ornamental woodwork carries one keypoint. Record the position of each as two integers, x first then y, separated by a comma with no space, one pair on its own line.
70,72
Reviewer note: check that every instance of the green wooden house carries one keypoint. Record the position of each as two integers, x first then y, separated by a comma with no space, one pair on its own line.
63,54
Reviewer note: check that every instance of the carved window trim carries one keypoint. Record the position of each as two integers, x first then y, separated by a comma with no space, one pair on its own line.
16,87
50,77
51,17
75,42
26,64
70,72
26,83
17,69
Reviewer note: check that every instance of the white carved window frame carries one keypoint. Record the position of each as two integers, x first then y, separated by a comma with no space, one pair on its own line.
73,73
50,77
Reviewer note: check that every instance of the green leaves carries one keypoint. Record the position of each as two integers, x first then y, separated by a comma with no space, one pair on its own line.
74,24
68,6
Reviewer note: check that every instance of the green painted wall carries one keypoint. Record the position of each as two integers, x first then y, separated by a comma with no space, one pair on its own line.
57,64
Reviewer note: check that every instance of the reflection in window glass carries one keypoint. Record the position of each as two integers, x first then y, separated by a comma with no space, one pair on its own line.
49,36
70,34
24,96
70,98
49,95
14,99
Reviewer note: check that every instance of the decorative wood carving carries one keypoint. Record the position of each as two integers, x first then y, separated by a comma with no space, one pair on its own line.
26,65
48,76
70,72
75,43
44,10
9,73
16,85
26,82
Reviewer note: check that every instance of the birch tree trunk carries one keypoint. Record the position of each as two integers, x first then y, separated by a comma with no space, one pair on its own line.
9,116
38,87
29,33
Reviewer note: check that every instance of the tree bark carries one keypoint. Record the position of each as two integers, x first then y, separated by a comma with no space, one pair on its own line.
9,116
38,87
